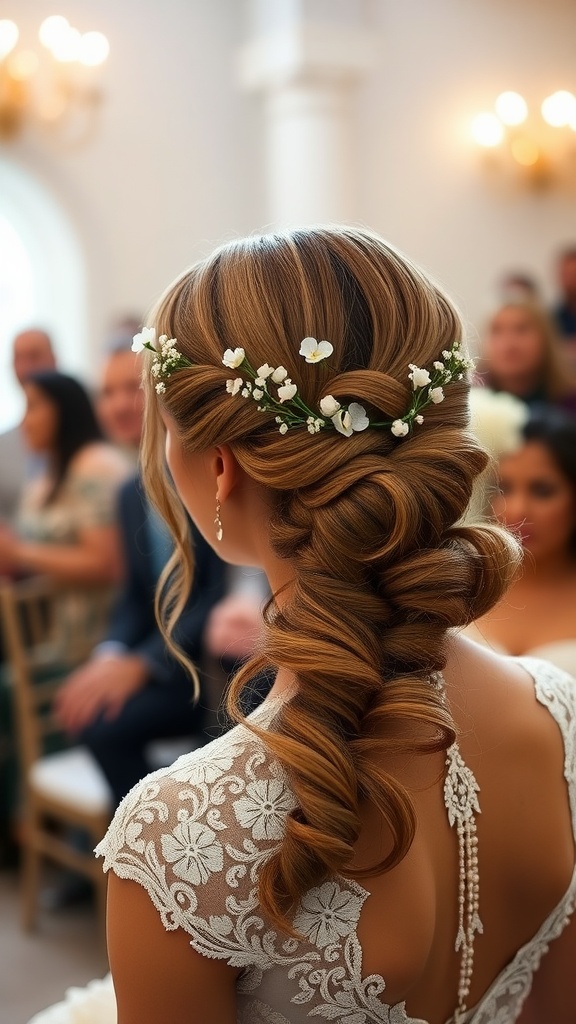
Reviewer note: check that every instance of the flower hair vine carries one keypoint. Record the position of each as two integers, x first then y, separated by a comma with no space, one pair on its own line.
274,391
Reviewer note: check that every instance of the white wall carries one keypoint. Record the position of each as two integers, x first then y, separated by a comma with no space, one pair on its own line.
175,164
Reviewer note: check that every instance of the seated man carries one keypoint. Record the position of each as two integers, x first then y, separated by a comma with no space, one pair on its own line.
132,691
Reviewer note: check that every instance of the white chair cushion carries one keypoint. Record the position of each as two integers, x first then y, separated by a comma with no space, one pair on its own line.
74,778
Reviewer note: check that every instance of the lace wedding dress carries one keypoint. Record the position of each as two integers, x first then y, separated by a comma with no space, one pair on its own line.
196,834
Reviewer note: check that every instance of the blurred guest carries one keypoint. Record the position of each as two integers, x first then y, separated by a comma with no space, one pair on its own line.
32,351
537,499
521,355
516,286
132,691
66,524
564,312
497,420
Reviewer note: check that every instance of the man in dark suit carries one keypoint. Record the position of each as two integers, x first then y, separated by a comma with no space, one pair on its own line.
132,691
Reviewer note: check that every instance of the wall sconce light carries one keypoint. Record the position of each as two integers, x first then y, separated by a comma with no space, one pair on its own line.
53,85
542,149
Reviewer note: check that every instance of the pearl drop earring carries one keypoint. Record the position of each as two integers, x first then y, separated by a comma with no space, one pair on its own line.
218,521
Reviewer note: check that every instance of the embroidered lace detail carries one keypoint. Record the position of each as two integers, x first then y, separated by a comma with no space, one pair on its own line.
460,789
196,835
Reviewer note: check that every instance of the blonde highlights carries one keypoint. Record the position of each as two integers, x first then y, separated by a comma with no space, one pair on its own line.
371,525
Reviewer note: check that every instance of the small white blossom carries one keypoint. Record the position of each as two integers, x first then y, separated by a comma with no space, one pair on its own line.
358,416
329,406
420,378
260,382
257,394
311,428
419,419
313,351
161,388
446,354
283,428
245,392
436,395
147,336
343,422
278,419
318,424
233,386
279,374
438,365
265,371
287,391
155,369
399,428
233,359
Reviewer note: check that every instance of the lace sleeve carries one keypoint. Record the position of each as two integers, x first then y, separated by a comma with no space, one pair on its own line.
195,836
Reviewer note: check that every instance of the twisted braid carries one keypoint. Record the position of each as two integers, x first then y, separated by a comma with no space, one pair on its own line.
370,526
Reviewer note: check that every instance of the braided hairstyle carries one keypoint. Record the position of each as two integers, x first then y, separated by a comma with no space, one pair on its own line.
370,524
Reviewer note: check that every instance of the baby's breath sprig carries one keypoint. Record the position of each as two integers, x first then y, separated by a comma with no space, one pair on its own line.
167,357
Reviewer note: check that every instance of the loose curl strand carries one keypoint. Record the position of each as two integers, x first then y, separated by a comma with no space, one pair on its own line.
370,525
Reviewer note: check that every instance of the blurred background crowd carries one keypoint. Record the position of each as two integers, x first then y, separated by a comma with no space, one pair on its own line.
200,121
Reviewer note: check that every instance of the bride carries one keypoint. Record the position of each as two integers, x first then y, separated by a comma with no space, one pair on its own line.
390,837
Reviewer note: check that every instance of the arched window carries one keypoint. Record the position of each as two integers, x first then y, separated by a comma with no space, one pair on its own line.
42,283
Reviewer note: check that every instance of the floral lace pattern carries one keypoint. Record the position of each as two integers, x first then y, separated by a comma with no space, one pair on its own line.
196,835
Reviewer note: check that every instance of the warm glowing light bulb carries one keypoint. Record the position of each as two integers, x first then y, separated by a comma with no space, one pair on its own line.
94,48
511,108
8,36
559,109
487,130
68,46
53,30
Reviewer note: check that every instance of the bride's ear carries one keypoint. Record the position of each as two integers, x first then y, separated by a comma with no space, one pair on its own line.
228,473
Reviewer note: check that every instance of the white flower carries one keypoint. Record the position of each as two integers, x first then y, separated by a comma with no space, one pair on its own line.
161,388
313,351
194,851
233,386
420,378
343,422
358,416
437,395
329,406
279,374
438,365
327,913
287,391
257,394
147,336
246,391
233,359
419,419
283,428
399,428
264,807
260,382
446,354
265,371
348,420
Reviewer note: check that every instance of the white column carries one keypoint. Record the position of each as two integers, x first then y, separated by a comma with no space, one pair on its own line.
306,59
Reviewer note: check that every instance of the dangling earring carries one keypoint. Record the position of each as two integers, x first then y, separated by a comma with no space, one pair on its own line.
218,521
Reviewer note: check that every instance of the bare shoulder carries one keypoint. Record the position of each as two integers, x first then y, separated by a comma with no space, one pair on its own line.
100,459
157,974
514,738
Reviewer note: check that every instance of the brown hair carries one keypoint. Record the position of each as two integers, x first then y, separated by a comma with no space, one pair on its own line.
370,524
555,377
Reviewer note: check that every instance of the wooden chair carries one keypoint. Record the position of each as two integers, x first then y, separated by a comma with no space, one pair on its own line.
64,789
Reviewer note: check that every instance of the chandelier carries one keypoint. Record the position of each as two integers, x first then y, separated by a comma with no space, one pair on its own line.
53,85
538,147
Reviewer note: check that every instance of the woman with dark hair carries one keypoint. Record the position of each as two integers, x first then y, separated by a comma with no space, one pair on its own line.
536,497
66,524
